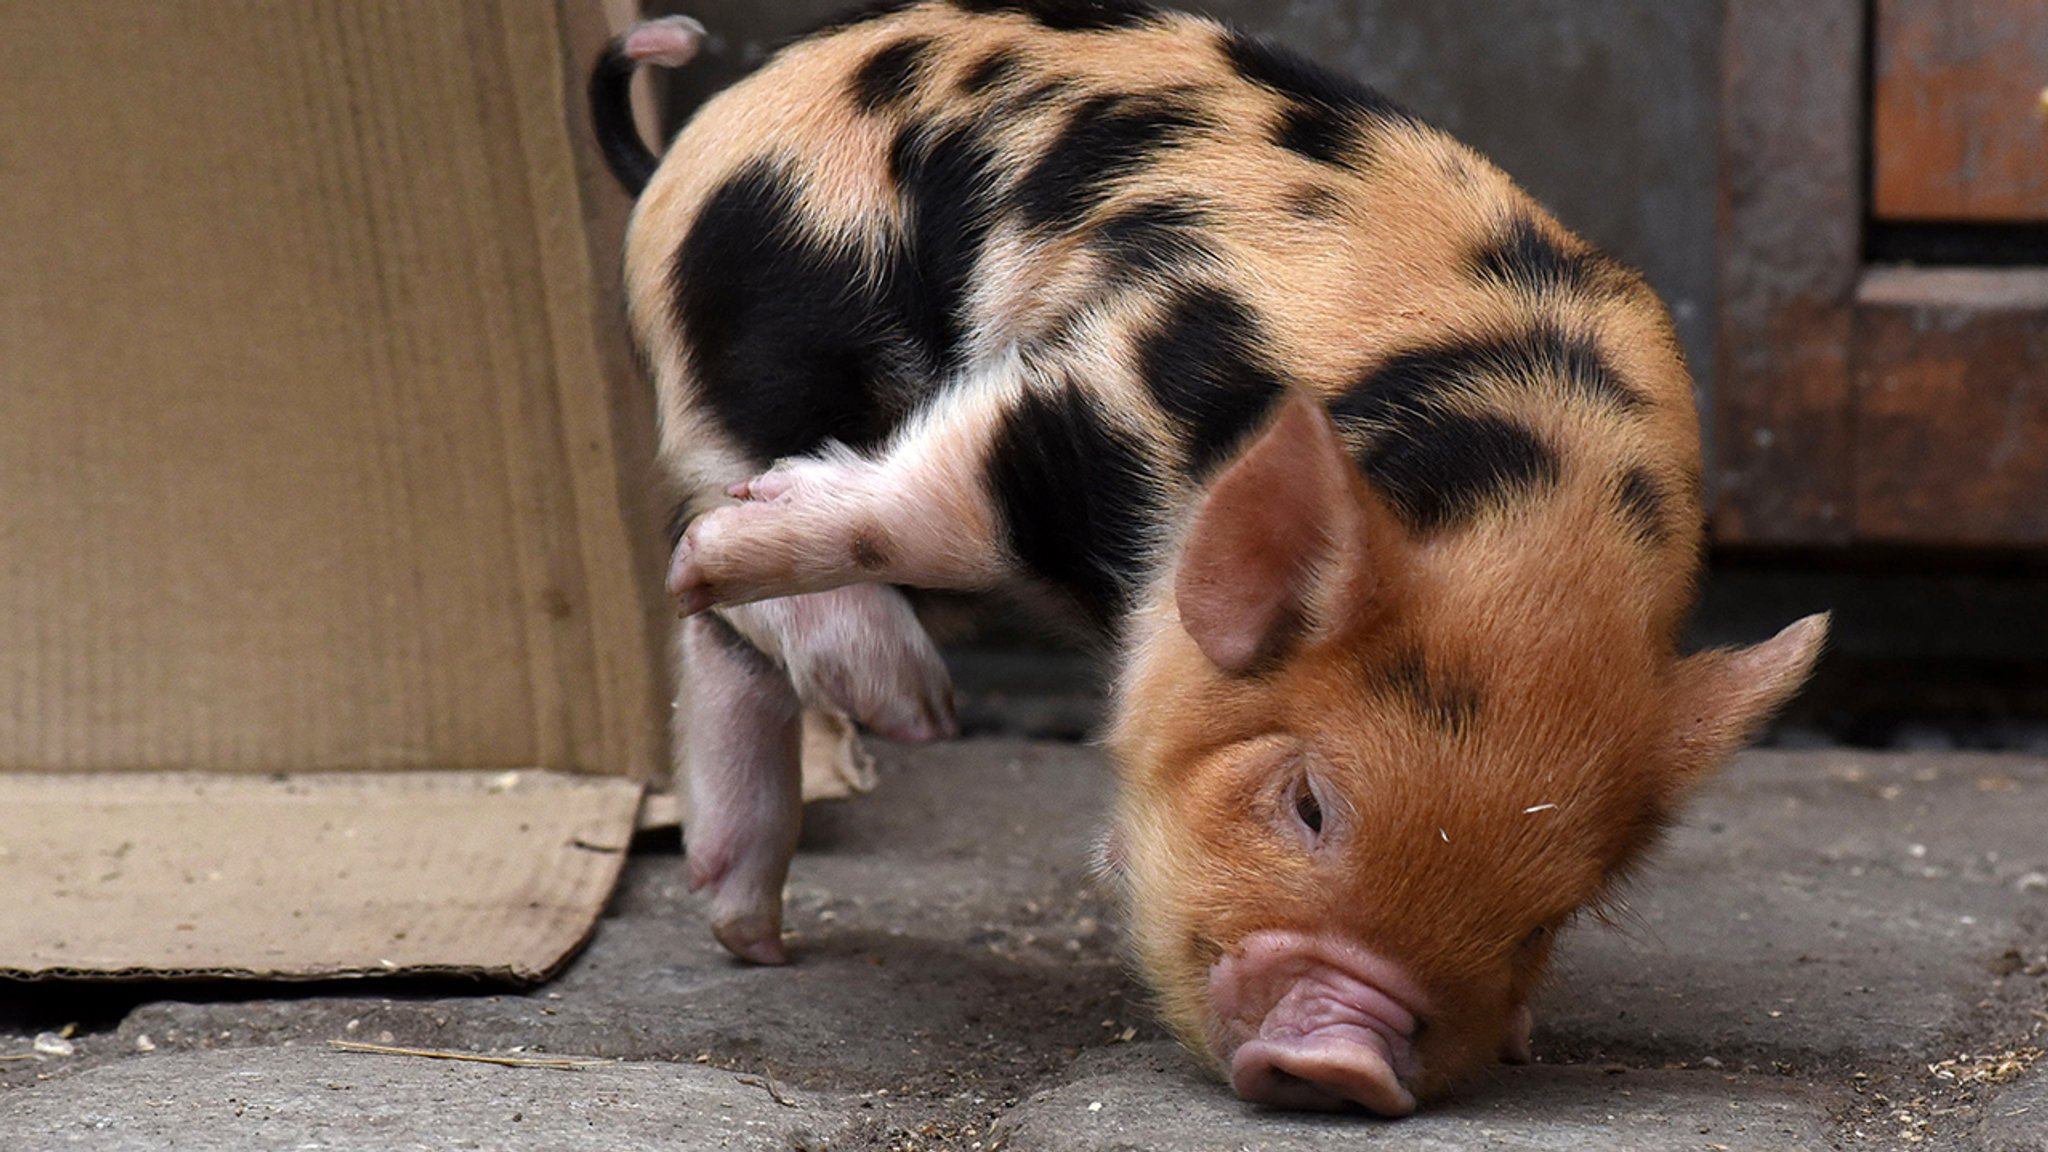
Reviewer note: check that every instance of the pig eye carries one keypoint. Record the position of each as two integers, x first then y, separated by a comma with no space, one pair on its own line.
1308,810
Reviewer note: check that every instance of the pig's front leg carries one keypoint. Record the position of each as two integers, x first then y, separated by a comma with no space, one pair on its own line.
919,515
739,739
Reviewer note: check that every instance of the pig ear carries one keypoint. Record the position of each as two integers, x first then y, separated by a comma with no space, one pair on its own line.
1720,698
1282,545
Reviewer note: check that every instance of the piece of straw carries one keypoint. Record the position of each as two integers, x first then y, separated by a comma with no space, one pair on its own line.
474,1057
767,1085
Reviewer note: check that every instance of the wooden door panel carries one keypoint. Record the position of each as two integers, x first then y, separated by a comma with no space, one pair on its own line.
1952,407
1790,225
1960,110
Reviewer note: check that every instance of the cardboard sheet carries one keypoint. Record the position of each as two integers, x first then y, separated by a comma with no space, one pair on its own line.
333,874
304,446
320,452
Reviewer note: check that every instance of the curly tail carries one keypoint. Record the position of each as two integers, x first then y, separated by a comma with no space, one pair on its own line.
670,42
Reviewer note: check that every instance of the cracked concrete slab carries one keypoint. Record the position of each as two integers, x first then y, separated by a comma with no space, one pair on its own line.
1824,927
1818,909
240,1098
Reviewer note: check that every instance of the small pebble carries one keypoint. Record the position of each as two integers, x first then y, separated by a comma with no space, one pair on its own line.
51,1044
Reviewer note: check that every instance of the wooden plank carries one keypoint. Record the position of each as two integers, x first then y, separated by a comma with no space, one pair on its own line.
1790,231
1960,110
1952,407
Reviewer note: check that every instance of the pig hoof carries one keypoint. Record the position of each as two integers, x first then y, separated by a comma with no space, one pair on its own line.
911,702
748,925
861,650
783,479
754,937
686,583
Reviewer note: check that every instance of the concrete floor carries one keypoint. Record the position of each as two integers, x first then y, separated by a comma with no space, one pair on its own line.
1824,928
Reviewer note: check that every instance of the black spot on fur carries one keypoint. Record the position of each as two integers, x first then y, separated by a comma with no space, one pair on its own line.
1457,168
1328,117
1078,499
791,342
1151,238
1642,504
1523,257
1313,202
1321,133
998,67
1209,367
861,14
1449,704
947,179
1536,357
868,551
1106,139
1300,80
1070,15
1441,469
889,76
1042,92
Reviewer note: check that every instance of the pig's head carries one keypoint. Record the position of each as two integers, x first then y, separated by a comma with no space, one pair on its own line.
1369,774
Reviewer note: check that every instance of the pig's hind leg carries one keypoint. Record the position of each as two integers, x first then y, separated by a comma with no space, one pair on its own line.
738,733
857,650
919,514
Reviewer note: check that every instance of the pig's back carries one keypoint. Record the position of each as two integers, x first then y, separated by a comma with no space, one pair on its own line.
1184,222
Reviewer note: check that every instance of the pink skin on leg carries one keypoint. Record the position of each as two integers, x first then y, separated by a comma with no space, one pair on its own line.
800,568
859,649
918,516
806,526
738,740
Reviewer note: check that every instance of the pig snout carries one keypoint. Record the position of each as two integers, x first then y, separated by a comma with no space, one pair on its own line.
1313,1022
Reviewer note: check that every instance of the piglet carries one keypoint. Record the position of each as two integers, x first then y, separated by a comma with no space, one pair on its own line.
1381,489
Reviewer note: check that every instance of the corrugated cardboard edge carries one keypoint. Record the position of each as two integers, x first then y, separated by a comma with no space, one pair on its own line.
609,436
306,877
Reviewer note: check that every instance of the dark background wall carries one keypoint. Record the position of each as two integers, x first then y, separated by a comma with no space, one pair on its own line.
1603,109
